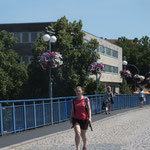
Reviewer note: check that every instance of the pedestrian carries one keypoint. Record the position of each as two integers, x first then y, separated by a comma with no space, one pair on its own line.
108,100
80,117
141,95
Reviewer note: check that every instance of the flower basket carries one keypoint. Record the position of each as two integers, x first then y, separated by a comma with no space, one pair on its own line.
50,60
125,73
138,77
95,68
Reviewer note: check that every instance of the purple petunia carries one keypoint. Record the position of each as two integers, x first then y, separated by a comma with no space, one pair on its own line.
125,73
53,59
96,68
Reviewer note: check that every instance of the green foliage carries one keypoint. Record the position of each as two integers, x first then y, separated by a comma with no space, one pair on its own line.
125,88
137,53
12,73
73,72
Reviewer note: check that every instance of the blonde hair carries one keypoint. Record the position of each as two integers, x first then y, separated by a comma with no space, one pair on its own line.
79,87
109,88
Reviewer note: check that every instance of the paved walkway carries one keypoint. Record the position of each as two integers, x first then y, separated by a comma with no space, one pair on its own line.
124,131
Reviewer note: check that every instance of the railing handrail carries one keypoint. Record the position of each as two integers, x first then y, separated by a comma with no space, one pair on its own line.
42,99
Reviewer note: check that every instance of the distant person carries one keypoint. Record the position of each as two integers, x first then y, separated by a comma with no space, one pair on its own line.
80,117
141,95
108,100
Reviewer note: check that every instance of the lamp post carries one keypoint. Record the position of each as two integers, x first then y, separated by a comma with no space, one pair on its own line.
51,39
95,60
125,63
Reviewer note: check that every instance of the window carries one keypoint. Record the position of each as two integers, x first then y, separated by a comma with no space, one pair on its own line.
17,35
98,50
108,68
102,49
86,41
115,69
115,53
108,51
26,59
34,36
25,37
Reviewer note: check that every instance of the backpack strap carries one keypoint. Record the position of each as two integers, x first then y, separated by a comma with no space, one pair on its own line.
74,104
86,105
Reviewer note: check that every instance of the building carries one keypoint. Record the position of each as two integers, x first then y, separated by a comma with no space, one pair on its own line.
26,33
111,57
111,54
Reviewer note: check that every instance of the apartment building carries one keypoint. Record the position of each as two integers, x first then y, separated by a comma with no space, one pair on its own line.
27,33
111,57
110,54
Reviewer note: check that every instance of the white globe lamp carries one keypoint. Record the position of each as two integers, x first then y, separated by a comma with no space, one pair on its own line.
46,37
124,62
53,39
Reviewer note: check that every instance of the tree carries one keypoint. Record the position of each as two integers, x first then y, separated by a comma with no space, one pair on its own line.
137,53
12,73
73,72
143,55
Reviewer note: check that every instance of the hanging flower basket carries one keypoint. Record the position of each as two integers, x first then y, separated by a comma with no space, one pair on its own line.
95,68
50,60
138,77
148,79
125,73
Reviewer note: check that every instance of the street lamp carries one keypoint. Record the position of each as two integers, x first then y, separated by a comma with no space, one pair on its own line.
51,39
125,63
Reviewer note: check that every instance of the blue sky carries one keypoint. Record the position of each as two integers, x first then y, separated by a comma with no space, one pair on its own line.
104,18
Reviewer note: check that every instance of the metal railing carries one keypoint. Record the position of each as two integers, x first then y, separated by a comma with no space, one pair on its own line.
19,115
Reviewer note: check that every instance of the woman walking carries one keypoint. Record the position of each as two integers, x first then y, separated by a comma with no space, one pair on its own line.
108,100
80,117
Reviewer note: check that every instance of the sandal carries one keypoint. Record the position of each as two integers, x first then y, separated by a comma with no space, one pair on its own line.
84,148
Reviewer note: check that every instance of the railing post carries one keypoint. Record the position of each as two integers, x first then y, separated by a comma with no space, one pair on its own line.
25,116
1,113
59,110
34,113
96,105
44,112
66,112
14,117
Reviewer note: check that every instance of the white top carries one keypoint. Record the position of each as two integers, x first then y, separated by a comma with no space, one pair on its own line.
141,93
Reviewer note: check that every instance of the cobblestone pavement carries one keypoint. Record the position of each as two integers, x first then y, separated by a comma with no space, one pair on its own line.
125,131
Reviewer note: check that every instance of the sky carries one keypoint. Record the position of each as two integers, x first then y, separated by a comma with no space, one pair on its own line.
109,19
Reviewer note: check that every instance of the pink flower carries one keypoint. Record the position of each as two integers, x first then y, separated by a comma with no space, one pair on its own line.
96,68
53,59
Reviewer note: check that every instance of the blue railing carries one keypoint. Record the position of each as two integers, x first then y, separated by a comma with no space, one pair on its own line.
18,115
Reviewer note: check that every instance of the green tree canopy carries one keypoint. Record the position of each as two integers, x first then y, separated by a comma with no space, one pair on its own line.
137,53
73,72
12,73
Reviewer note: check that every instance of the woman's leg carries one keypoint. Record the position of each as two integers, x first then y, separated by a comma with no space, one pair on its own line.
83,135
109,108
141,101
106,109
77,130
